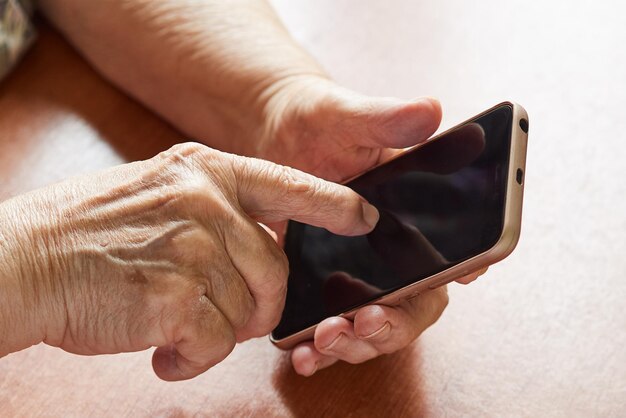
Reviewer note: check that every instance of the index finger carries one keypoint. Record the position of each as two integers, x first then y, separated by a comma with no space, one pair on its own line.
270,192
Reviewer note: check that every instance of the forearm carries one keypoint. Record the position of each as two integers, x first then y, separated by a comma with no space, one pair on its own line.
207,66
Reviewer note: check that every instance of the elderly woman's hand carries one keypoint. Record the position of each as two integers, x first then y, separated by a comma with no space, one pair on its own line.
241,84
320,127
165,252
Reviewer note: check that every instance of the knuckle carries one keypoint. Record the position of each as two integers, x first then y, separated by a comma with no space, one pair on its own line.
178,175
192,157
296,189
276,315
182,154
224,346
278,274
271,293
228,292
282,267
199,198
273,287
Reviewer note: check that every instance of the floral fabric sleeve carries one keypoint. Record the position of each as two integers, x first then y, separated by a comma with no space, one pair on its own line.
16,32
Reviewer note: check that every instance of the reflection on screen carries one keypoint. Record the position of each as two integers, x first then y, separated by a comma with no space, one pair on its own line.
439,205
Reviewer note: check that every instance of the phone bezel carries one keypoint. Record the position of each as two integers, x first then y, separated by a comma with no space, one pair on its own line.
501,249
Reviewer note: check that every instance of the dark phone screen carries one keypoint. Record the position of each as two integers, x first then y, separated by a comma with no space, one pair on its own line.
439,205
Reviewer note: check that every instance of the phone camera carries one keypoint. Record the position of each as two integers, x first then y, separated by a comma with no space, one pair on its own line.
523,123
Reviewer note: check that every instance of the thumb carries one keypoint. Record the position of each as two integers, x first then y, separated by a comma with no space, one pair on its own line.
271,193
369,121
379,122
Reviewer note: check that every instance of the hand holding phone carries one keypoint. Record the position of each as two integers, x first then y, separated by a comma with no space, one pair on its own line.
447,207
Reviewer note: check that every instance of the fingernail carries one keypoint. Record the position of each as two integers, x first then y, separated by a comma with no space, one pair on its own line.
370,214
335,342
380,332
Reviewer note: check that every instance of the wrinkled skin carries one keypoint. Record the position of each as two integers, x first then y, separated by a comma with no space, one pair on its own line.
168,253
242,85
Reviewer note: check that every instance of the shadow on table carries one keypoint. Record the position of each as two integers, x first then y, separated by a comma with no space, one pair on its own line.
390,385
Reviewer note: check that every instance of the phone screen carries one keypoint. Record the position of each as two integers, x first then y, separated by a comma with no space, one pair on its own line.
439,205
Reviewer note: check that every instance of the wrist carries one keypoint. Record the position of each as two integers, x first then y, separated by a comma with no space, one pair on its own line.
21,310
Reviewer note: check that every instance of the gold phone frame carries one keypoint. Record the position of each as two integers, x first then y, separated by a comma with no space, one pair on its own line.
501,249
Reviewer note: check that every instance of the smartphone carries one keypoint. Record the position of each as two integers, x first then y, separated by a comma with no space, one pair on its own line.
448,207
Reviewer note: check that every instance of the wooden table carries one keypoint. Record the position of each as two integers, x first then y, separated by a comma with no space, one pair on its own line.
541,334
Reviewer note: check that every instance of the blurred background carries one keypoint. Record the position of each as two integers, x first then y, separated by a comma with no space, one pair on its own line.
549,322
